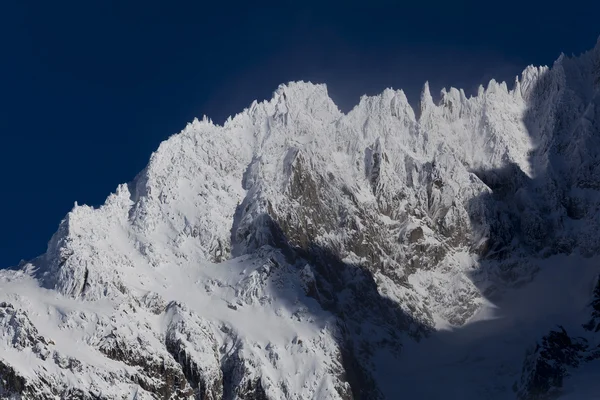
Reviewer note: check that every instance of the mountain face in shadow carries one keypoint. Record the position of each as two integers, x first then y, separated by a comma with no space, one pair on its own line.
297,252
551,212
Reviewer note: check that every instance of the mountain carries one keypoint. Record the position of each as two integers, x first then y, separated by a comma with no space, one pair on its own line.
297,252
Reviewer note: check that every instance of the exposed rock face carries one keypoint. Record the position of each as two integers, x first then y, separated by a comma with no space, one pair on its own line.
190,341
593,325
297,252
546,368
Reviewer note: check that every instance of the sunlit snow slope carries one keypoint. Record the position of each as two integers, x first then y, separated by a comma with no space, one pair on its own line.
297,252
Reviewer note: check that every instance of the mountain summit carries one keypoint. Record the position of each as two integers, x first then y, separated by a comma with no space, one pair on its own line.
297,252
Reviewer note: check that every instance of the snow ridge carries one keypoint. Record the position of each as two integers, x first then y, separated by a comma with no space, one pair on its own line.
297,252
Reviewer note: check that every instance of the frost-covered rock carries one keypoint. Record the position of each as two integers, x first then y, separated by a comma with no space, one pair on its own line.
297,252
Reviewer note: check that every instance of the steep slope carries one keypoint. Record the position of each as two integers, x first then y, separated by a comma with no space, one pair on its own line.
297,252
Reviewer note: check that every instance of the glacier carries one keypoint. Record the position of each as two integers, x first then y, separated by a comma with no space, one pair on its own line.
449,250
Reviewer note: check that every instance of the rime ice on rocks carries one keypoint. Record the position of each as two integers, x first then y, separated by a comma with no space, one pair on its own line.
297,252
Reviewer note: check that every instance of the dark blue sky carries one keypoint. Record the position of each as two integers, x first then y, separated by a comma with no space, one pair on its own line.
90,88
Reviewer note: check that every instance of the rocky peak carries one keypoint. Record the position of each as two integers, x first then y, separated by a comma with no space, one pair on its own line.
297,251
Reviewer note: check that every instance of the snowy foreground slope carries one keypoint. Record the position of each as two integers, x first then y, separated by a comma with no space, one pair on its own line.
297,252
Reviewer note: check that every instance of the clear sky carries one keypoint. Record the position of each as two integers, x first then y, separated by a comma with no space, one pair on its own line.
90,88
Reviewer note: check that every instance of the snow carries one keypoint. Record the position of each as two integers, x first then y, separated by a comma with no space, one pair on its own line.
184,273
583,385
462,361
208,291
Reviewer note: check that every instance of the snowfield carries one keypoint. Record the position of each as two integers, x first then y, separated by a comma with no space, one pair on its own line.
297,252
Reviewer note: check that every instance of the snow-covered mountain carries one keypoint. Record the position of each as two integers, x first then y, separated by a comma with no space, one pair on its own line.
297,252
